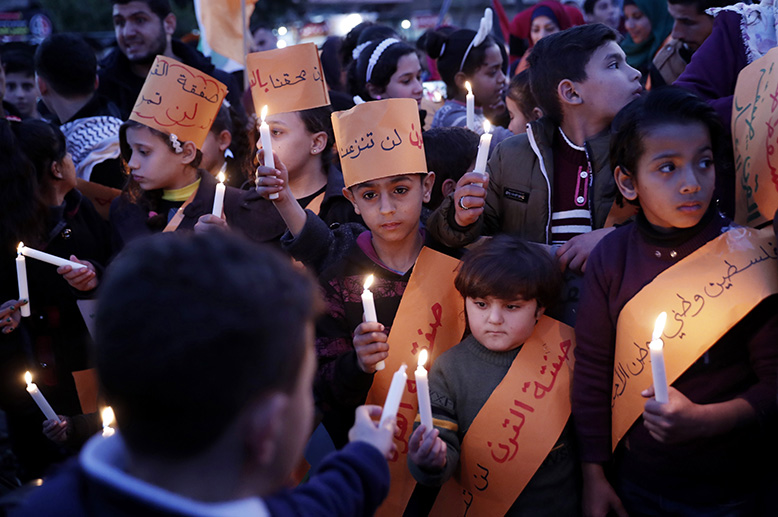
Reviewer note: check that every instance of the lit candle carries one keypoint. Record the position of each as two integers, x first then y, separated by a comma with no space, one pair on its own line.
267,145
658,360
21,276
46,257
368,306
218,198
483,150
470,98
39,399
423,392
107,416
396,389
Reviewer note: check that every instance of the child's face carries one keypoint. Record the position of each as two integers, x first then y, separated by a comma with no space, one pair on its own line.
391,206
22,92
153,165
675,176
637,24
610,84
607,12
519,122
292,142
502,325
405,83
541,27
488,81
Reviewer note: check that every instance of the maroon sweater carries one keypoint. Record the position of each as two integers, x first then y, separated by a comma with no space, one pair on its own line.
743,363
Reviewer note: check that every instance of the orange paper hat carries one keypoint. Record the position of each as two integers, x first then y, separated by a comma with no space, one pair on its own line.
179,100
378,139
287,79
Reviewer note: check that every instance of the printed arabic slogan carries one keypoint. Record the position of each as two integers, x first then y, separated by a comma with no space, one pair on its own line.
755,141
287,79
704,295
431,317
516,429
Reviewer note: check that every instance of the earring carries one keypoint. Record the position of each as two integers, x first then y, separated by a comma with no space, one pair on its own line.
314,151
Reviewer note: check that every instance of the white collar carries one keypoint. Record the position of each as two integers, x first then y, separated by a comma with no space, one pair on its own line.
104,459
570,143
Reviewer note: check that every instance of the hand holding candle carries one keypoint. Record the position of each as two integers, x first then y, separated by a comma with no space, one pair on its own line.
39,399
483,149
368,306
395,394
46,257
267,145
470,99
21,275
423,392
218,199
658,361
108,418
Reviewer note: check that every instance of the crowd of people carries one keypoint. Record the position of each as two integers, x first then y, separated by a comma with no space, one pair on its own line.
214,286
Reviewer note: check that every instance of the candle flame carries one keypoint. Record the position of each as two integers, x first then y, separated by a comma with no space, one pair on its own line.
487,126
19,248
27,378
469,88
263,113
423,357
107,416
221,177
368,281
659,326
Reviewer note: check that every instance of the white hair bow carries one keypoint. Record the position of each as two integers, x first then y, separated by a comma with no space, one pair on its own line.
484,29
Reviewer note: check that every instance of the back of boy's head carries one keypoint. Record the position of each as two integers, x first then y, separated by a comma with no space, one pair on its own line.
563,55
449,151
507,267
193,328
18,62
660,107
68,65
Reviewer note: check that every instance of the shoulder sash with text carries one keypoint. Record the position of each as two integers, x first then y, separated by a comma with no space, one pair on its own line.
516,428
704,295
430,316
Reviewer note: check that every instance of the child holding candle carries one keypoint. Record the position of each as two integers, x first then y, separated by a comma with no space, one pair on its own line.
710,448
507,285
249,368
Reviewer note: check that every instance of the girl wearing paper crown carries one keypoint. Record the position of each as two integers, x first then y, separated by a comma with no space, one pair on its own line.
467,56
161,144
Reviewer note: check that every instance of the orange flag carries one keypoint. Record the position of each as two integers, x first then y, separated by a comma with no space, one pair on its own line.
222,22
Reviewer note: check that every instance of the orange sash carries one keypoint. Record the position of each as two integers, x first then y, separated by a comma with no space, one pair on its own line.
431,316
516,428
315,204
87,389
175,221
704,295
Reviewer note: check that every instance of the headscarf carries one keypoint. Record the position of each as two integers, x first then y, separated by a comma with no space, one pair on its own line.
758,26
640,55
521,26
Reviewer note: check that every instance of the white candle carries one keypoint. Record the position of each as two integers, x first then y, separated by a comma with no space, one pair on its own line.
21,276
218,198
368,306
396,389
46,257
470,98
656,349
39,399
107,416
423,392
483,150
267,145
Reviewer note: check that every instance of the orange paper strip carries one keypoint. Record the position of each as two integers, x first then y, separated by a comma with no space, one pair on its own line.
87,389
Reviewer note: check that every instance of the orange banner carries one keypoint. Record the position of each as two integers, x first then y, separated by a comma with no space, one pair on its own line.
287,79
754,120
704,295
87,389
100,195
223,25
431,317
516,429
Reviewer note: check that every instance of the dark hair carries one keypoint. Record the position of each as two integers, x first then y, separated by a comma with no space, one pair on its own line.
43,143
701,5
448,51
18,62
229,119
563,55
449,152
317,120
508,267
588,6
520,92
68,64
382,71
661,107
159,7
362,33
166,357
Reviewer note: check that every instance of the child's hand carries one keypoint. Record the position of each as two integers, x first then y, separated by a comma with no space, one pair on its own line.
83,279
10,315
574,253
366,429
470,197
677,421
370,344
273,181
599,499
57,430
426,449
209,222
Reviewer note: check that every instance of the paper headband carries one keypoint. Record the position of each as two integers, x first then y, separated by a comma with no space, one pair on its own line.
483,31
287,79
179,100
378,139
